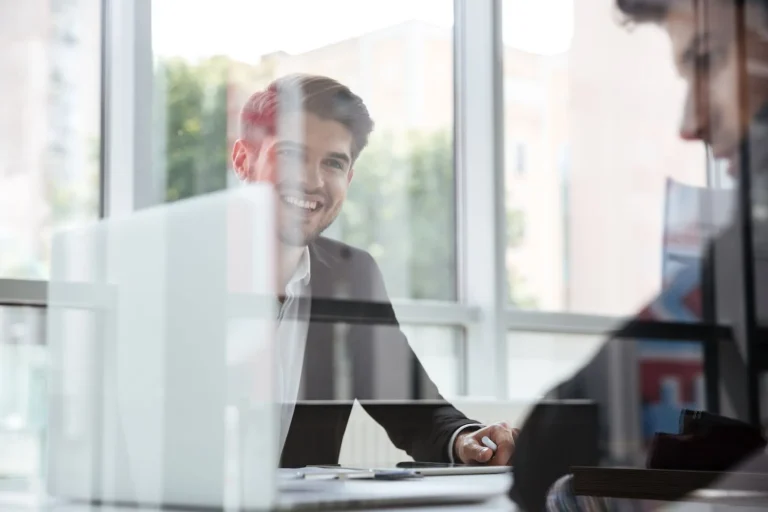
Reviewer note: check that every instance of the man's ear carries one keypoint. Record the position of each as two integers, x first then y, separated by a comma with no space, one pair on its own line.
350,175
240,160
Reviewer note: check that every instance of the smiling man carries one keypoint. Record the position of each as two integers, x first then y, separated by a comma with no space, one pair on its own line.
303,134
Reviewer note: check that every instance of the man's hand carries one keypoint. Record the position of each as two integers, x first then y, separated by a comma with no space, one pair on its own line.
471,450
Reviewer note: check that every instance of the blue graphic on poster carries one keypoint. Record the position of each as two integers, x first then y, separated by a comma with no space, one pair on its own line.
671,373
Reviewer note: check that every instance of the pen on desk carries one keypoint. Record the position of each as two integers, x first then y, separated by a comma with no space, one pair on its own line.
490,444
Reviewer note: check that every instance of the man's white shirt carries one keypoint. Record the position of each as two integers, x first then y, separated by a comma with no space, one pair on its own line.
291,341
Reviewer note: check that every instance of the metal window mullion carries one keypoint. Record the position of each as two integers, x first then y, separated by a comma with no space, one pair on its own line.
480,190
127,181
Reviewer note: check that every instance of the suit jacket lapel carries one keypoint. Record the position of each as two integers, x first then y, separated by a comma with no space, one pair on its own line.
318,376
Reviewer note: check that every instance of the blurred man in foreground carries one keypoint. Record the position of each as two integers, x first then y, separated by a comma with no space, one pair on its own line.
720,49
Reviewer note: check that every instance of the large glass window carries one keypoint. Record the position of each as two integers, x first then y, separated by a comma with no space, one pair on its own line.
396,55
49,127
588,219
604,204
23,375
440,350
539,361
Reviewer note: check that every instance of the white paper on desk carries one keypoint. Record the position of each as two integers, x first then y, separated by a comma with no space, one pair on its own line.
320,473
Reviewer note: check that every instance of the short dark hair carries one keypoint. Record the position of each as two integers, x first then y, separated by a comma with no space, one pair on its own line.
319,95
644,11
655,11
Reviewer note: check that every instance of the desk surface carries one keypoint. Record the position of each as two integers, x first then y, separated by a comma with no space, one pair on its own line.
20,502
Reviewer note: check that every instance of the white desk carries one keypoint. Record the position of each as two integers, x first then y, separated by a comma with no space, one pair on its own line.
18,502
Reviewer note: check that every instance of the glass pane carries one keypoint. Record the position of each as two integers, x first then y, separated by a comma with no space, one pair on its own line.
50,103
395,55
601,190
23,375
640,386
441,351
659,132
537,362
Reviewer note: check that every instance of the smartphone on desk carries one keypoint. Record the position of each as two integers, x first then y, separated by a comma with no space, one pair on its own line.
444,468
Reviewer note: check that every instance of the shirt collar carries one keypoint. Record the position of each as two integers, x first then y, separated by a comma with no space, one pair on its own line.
301,275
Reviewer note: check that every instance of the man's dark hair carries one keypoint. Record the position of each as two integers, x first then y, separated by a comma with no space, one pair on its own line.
318,95
644,11
654,11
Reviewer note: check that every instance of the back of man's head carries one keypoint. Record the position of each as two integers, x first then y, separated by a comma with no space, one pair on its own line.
318,95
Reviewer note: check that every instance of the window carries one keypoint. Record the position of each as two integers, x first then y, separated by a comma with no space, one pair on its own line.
616,209
397,56
520,160
440,350
49,127
594,214
539,361
23,375
502,291
517,158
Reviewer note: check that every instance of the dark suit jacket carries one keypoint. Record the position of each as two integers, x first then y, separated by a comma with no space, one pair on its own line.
379,363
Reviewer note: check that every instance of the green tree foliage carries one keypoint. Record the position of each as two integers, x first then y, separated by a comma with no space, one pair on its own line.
517,292
401,208
194,111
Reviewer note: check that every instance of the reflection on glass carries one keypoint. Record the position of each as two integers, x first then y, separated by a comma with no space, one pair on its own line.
440,350
23,376
650,200
654,381
49,127
170,351
539,361
396,55
586,219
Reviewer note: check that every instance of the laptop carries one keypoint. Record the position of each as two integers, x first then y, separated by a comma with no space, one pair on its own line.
160,329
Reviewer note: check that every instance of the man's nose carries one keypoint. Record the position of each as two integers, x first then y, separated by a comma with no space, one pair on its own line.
693,126
312,177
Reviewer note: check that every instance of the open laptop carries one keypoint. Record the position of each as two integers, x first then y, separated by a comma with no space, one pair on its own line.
160,329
